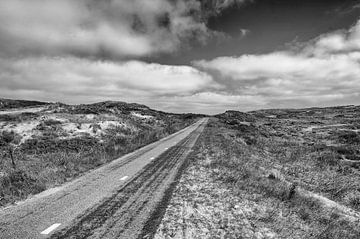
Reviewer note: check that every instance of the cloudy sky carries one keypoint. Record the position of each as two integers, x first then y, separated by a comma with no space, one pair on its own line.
182,55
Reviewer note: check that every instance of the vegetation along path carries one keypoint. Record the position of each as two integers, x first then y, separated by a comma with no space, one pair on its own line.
119,200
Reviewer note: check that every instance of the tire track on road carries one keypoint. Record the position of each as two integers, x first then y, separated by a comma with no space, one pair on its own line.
125,213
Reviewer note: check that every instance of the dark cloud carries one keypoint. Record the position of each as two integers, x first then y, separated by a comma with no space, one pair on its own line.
85,27
118,28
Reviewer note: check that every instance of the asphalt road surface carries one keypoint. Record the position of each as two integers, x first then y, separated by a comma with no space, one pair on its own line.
123,199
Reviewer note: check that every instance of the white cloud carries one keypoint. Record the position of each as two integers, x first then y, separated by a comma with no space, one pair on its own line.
209,102
78,80
325,71
244,32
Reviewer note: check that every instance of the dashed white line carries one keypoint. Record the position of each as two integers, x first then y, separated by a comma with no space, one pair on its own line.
152,158
124,178
50,229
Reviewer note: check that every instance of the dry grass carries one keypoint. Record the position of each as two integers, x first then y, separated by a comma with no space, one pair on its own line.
243,184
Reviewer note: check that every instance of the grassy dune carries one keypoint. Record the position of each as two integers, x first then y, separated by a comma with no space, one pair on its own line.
61,142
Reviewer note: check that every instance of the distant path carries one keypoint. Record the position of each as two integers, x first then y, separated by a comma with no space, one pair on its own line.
118,200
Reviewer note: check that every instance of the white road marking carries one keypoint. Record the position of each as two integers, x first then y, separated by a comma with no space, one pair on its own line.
166,148
152,158
124,178
50,229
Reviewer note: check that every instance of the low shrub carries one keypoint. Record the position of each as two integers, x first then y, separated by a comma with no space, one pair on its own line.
51,122
50,144
339,229
328,158
349,137
16,185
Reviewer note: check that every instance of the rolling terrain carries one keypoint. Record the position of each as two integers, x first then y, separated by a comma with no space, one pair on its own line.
287,173
275,173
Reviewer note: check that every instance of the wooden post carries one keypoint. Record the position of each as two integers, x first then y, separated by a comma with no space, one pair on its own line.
12,157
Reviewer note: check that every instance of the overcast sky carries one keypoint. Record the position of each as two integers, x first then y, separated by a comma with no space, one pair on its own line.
182,55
